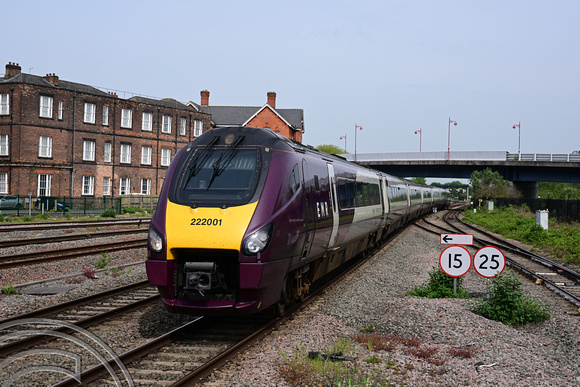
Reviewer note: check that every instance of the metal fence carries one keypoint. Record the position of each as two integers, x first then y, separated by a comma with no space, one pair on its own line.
563,210
26,205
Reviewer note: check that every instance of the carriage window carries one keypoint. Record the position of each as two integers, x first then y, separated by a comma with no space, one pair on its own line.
294,180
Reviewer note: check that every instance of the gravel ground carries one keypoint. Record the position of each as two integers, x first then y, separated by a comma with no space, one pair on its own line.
546,354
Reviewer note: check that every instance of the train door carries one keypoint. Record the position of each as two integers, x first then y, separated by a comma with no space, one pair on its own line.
309,205
334,205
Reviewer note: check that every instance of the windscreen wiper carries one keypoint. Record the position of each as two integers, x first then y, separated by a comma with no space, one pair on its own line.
197,163
229,154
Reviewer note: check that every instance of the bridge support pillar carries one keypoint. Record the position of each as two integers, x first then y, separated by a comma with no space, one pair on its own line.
528,189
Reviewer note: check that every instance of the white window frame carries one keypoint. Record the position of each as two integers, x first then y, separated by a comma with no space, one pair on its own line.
43,184
88,150
4,104
182,126
4,149
124,186
125,154
165,157
166,125
3,182
126,118
146,152
46,104
107,152
106,186
105,115
88,185
197,128
145,186
45,146
147,123
60,109
90,113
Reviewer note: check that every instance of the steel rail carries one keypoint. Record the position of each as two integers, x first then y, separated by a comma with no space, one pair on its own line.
68,238
84,224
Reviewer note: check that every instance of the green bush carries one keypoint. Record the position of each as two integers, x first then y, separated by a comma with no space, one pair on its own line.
505,302
109,213
132,210
440,285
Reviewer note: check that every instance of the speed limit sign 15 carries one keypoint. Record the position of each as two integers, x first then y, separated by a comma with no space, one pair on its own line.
489,261
455,261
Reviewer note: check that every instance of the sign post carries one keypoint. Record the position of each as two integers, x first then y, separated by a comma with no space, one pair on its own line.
455,261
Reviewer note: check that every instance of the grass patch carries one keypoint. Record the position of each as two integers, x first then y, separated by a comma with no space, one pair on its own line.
506,302
561,240
439,285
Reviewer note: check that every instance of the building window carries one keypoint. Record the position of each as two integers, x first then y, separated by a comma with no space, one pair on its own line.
88,150
126,153
3,145
147,124
106,186
3,183
166,127
124,186
88,185
90,109
4,104
45,146
182,124
107,152
45,106
126,118
43,187
145,186
197,128
146,155
105,115
60,109
165,157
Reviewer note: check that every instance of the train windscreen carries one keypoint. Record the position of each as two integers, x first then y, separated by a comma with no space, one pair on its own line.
218,177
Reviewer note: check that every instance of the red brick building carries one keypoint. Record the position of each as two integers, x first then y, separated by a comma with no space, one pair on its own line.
60,138
287,122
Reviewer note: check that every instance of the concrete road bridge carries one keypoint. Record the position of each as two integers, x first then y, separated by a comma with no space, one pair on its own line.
525,170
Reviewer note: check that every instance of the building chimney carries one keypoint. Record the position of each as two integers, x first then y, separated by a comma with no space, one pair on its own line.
204,97
12,69
52,78
272,99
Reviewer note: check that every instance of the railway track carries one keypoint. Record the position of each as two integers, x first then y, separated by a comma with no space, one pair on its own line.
12,227
556,277
187,354
84,312
29,258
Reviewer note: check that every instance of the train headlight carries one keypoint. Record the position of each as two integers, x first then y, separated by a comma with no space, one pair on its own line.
257,241
155,240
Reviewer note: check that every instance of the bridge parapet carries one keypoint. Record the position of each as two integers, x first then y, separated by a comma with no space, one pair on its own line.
464,156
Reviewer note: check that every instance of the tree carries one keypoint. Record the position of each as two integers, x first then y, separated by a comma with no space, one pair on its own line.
419,180
331,149
490,184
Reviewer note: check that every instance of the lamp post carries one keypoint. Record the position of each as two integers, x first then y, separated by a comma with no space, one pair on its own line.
355,128
519,137
449,137
341,137
420,131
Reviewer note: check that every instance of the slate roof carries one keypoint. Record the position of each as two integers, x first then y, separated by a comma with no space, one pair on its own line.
65,85
238,115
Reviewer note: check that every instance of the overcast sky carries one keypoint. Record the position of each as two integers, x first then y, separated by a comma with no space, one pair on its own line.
392,67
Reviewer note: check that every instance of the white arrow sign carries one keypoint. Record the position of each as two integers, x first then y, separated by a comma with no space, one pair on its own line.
456,239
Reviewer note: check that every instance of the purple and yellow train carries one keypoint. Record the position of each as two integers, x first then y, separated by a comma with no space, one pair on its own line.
248,219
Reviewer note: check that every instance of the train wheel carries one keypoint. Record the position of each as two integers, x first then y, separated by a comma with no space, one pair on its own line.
279,309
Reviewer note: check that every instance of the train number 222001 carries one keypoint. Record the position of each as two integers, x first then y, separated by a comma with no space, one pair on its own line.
205,222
